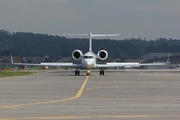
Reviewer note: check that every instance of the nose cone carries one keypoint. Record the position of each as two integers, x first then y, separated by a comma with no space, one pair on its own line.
88,63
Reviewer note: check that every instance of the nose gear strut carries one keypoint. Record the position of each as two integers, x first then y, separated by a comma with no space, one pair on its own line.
88,73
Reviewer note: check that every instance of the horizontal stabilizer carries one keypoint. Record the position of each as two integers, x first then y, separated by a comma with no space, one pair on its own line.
92,35
103,35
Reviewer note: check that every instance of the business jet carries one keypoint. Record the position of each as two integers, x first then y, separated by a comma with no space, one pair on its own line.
89,59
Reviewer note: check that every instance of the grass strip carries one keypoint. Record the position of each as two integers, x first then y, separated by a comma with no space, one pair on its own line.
14,73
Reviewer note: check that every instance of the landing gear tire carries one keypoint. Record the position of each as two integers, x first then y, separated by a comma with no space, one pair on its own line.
87,74
77,72
101,72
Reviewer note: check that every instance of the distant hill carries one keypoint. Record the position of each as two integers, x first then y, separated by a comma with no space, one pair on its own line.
21,43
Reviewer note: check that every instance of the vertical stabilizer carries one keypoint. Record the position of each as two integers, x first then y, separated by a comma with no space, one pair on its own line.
90,41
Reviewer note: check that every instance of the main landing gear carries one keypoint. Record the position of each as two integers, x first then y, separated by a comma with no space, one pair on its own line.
77,72
101,72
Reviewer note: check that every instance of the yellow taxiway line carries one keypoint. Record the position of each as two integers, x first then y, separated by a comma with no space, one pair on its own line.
93,117
78,95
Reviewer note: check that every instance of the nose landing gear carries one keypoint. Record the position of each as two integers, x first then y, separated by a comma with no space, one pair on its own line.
88,73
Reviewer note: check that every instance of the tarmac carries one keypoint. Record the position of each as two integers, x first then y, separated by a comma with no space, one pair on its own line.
120,94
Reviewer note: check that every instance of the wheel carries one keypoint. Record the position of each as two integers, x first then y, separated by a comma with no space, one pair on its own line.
87,74
78,72
101,72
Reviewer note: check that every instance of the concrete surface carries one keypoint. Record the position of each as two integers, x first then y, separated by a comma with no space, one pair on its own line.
127,94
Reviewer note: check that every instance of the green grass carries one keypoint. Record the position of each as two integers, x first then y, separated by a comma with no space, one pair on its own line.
13,73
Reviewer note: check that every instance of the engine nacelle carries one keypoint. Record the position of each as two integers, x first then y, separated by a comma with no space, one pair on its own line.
102,55
77,54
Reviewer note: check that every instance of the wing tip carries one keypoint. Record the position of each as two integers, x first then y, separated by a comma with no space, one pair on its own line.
11,59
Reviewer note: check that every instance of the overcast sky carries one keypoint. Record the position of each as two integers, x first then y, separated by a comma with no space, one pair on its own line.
150,19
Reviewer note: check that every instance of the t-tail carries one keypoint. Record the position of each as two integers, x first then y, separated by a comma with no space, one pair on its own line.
90,35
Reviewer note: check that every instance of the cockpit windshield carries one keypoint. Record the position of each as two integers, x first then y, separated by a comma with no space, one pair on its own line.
88,57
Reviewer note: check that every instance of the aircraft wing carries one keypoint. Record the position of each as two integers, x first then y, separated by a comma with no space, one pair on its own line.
51,64
61,64
48,64
135,64
130,64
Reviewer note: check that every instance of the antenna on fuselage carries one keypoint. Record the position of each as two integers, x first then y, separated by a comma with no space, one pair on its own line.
90,35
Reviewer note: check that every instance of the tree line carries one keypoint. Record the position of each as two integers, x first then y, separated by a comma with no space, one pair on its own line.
21,43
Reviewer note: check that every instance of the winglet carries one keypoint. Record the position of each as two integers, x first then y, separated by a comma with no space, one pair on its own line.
11,59
168,59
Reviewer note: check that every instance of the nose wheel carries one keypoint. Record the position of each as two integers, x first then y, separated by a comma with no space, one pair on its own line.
88,73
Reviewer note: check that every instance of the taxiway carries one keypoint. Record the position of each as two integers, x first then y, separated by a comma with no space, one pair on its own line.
130,94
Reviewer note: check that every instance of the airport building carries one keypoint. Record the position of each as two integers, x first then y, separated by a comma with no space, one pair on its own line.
174,58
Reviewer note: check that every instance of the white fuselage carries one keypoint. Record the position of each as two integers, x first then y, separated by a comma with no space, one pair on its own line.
89,60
